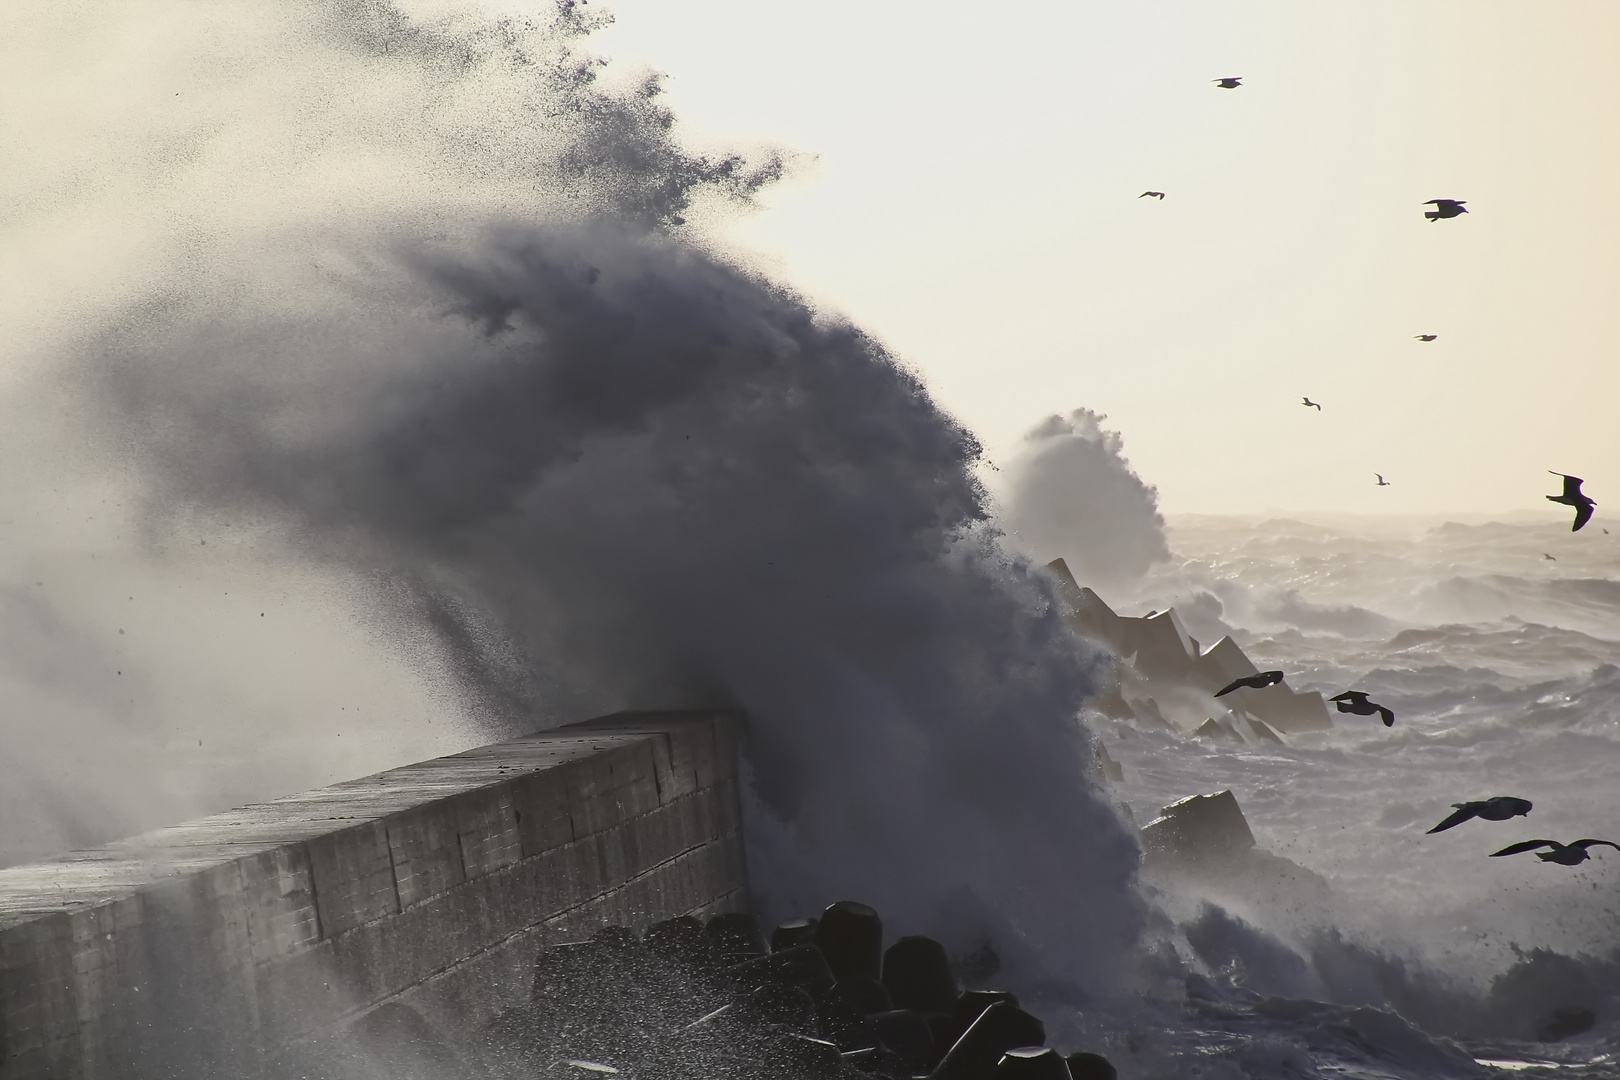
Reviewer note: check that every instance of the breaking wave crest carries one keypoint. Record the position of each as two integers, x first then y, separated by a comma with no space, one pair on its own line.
589,464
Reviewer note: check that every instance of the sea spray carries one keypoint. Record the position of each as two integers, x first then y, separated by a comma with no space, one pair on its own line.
595,465
623,472
1071,494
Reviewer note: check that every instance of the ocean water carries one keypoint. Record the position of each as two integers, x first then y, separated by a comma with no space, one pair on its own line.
1503,669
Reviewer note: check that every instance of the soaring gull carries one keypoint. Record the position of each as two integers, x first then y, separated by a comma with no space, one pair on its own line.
1445,208
1562,854
1497,808
1254,682
1355,701
1572,497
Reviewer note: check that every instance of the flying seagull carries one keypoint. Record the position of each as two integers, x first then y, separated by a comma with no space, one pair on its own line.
1445,208
1381,481
1309,404
1156,194
1425,337
1572,497
1231,82
1354,701
1257,681
1499,808
1550,558
1562,854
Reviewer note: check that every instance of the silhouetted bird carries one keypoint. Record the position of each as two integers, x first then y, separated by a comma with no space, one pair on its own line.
1572,497
1548,557
1354,701
1498,808
1426,337
1258,681
1445,208
1309,404
1231,82
1155,194
1562,854
1381,481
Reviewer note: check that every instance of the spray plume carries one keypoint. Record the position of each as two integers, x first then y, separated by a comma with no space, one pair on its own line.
1072,495
599,466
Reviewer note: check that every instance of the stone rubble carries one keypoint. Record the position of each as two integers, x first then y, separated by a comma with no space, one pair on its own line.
824,1000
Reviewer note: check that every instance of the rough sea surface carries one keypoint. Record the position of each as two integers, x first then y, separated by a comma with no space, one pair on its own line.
1503,669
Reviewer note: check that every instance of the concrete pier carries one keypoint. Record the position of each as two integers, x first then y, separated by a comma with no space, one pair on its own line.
217,947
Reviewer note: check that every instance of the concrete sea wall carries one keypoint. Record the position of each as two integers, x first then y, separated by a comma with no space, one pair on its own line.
219,947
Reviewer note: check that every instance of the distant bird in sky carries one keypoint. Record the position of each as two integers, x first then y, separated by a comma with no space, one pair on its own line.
1355,701
1426,337
1544,555
1498,808
1258,681
1572,497
1562,854
1381,481
1231,82
1155,194
1445,208
1311,404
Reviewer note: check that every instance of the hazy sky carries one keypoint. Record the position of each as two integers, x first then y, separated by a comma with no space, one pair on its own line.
973,200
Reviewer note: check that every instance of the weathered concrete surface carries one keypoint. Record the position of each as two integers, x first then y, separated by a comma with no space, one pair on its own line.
211,948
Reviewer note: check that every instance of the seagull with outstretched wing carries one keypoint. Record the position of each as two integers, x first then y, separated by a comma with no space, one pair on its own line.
1497,808
1355,701
1257,681
1562,854
1572,496
1445,208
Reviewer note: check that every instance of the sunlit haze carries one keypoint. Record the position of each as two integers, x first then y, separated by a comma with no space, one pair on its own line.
972,198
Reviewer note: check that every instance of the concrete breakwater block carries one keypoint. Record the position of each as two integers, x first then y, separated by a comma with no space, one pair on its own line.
1000,1028
908,1034
918,975
1205,838
1088,1066
850,936
677,1004
968,1008
1032,1063
1199,827
793,932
